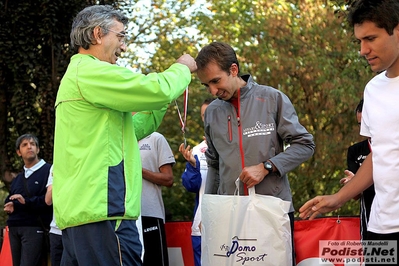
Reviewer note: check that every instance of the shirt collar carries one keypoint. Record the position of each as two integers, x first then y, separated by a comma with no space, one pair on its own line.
29,171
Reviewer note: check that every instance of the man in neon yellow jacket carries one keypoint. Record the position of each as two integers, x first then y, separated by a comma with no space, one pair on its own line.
97,167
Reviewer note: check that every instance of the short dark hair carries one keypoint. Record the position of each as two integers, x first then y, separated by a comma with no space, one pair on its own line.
384,13
359,107
26,136
218,52
207,101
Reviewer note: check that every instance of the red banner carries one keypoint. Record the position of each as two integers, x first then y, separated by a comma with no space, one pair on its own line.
178,239
306,238
308,233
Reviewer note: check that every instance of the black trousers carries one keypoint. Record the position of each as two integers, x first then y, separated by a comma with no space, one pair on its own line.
291,216
56,248
155,248
382,237
26,244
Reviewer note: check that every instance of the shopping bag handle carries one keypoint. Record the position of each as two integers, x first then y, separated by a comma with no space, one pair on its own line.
251,191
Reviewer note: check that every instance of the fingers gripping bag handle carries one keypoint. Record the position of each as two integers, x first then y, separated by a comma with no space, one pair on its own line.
278,206
237,190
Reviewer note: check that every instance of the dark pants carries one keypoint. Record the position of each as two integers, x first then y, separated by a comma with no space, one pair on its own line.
26,244
155,248
291,216
102,244
56,249
383,237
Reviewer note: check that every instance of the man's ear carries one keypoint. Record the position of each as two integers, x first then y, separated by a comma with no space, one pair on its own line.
98,34
234,70
19,153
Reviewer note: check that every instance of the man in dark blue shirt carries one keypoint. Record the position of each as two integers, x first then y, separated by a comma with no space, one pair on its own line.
29,216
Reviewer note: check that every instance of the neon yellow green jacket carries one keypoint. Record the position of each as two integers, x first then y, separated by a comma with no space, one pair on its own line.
97,166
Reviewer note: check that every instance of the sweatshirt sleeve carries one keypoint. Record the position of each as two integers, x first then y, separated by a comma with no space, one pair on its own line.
127,91
119,88
300,144
146,122
212,158
191,178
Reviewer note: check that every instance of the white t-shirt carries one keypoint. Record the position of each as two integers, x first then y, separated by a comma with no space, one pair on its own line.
53,227
380,122
199,150
155,152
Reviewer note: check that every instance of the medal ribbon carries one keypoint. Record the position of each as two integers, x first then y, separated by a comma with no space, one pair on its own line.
184,118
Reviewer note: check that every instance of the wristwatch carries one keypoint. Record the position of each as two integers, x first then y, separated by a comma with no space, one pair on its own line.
268,166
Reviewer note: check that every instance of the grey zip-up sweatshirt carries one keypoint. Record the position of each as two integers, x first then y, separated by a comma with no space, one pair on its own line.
263,123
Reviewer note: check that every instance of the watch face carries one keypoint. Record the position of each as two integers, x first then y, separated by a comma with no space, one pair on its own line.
268,166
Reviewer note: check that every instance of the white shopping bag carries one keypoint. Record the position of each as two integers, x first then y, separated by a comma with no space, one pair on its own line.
245,230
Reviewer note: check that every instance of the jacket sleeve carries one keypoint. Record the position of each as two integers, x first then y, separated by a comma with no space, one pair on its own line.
191,178
212,158
147,122
299,142
120,89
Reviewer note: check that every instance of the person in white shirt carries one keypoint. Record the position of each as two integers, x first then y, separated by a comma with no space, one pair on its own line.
376,27
157,160
56,246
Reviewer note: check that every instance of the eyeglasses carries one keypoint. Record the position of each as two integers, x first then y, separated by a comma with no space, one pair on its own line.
121,36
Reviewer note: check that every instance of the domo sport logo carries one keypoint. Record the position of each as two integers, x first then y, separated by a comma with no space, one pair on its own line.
242,251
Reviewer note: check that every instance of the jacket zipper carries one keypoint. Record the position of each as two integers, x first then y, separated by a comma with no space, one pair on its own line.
240,137
229,128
